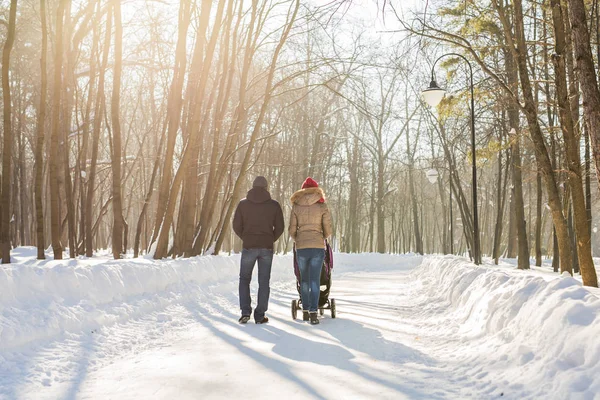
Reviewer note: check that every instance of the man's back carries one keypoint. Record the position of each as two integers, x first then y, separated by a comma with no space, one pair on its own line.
258,220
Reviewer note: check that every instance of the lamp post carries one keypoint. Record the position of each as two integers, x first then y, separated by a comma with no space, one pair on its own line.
451,223
432,96
432,176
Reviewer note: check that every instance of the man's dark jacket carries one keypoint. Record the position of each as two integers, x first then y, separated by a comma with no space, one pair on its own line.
258,220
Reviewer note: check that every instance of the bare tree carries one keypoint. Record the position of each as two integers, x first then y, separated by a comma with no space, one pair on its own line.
5,245
584,251
118,245
54,137
39,149
99,110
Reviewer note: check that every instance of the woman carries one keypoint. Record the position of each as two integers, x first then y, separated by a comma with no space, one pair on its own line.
310,225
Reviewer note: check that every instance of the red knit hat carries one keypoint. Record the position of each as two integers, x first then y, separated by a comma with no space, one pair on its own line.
309,182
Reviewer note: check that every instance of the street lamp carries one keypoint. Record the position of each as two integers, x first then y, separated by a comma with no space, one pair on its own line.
432,96
432,175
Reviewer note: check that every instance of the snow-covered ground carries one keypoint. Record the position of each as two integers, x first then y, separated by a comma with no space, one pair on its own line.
407,328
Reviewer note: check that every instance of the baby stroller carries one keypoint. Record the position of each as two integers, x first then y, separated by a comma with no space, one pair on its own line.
325,303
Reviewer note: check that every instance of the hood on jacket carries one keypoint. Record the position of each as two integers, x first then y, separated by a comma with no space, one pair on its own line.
258,195
308,196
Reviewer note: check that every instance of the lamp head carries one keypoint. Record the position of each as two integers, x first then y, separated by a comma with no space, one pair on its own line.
434,94
432,175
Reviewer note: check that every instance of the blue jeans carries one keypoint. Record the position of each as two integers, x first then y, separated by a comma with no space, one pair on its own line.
249,258
310,262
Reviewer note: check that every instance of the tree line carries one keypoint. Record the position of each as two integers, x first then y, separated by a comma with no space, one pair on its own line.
137,126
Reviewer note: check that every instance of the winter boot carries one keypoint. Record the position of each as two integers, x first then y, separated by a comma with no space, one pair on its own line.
313,318
304,315
244,319
263,321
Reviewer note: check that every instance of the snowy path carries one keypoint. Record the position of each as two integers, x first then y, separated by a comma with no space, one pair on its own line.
397,336
369,351
378,347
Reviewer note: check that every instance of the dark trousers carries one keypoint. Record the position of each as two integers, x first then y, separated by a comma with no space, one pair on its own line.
249,259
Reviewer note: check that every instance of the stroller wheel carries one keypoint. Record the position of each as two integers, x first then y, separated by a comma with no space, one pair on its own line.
321,311
332,301
294,309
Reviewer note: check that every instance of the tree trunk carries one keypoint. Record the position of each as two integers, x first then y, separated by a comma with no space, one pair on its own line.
372,210
511,248
413,196
66,98
98,112
138,230
5,245
515,140
55,138
584,250
118,220
523,245
588,180
380,204
81,166
501,202
538,220
39,148
354,239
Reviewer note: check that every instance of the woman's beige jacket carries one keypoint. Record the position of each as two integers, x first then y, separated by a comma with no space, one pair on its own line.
310,220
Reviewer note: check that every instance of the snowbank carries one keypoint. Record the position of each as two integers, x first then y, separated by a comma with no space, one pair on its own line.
40,299
531,332
541,333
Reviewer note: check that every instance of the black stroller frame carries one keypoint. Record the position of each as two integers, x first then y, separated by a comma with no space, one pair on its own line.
325,303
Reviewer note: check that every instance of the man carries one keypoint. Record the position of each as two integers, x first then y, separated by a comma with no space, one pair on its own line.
258,221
